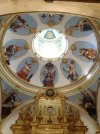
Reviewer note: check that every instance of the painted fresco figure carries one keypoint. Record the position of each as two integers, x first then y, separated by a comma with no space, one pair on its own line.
71,70
93,94
9,104
91,109
86,98
89,53
82,25
11,98
23,73
89,104
49,78
6,58
11,51
17,103
19,23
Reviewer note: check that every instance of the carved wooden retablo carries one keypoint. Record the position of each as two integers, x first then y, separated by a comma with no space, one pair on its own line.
49,115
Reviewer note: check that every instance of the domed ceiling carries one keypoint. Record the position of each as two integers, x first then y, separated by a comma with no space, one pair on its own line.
49,50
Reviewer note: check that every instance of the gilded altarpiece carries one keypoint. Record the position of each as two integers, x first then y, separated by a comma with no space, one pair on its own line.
49,115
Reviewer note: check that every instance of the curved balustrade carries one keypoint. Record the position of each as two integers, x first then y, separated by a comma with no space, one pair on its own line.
80,84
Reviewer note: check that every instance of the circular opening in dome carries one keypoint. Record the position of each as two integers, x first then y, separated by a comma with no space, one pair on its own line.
50,44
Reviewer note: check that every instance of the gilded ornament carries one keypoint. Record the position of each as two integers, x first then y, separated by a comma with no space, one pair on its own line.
73,47
51,23
32,30
64,60
34,60
26,46
69,31
42,119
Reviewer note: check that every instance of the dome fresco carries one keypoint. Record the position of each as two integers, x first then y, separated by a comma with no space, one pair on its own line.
49,50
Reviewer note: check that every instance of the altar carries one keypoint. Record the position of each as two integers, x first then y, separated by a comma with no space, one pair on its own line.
49,115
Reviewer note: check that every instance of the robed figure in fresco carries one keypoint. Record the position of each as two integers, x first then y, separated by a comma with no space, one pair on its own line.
71,71
83,26
89,103
49,74
49,78
12,50
19,23
89,53
23,73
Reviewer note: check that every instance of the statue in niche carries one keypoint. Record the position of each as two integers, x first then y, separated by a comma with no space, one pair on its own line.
10,51
23,73
71,70
89,53
83,26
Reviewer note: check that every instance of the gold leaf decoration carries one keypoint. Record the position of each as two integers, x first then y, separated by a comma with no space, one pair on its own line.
32,30
69,31
51,23
34,60
64,60
73,47
26,46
